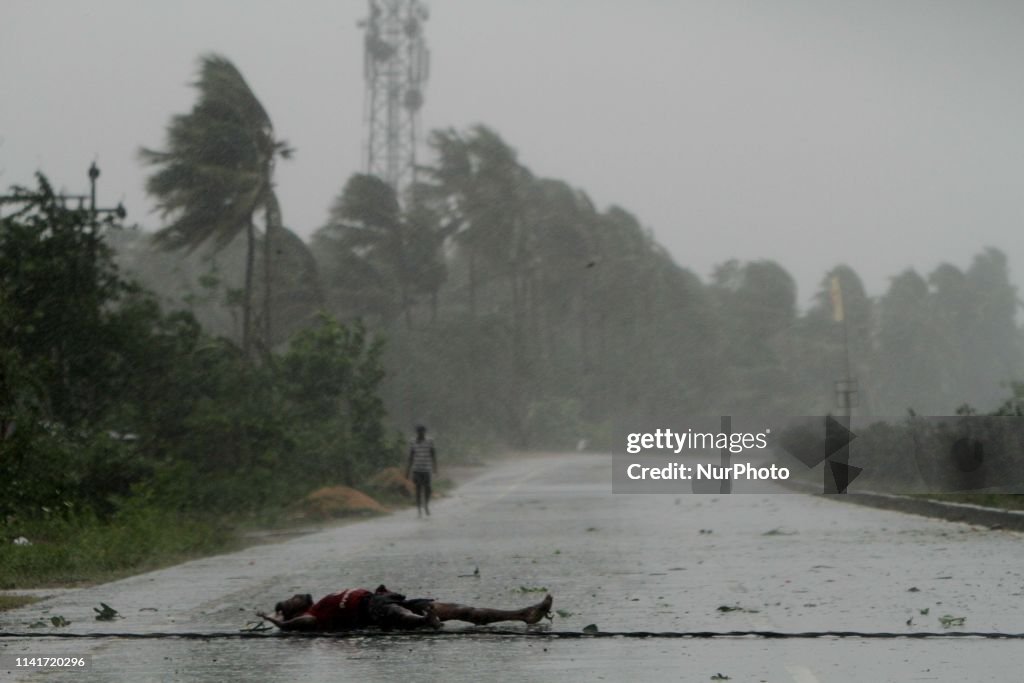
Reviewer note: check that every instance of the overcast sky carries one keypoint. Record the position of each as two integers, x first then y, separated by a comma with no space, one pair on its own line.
876,133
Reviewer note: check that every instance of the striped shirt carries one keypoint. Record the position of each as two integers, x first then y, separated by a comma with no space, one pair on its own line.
421,455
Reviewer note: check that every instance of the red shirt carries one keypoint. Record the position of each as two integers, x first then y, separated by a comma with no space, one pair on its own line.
340,611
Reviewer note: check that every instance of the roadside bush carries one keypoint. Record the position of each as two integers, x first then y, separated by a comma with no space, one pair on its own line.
80,548
113,412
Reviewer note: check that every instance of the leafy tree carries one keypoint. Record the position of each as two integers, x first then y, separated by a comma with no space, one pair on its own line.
217,173
60,293
992,339
330,376
72,330
824,343
480,182
910,371
757,312
298,294
393,256
561,221
976,332
429,232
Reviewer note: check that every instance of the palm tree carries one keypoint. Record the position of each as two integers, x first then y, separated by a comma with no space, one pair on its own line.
217,174
481,185
298,294
394,252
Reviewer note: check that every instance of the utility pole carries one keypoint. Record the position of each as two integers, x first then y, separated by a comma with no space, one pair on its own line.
846,395
846,387
94,211
396,66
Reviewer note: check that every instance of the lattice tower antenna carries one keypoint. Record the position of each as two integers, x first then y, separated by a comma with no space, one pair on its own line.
396,66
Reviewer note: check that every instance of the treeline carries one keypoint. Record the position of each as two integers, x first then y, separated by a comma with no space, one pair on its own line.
107,403
491,304
516,308
516,311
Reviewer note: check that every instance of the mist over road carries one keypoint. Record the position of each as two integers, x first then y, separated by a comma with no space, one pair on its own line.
784,562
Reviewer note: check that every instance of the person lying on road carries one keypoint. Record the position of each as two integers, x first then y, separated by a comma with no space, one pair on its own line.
357,608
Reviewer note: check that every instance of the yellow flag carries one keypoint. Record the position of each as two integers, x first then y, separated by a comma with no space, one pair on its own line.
837,300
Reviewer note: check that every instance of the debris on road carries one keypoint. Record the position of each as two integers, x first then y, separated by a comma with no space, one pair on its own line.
107,613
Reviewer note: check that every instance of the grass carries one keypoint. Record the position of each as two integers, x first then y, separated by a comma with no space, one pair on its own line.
15,601
1003,501
84,551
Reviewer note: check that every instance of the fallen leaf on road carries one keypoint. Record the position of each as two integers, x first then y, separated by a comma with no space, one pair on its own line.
736,608
108,613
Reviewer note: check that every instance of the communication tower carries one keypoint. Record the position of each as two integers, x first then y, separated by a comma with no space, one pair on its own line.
396,66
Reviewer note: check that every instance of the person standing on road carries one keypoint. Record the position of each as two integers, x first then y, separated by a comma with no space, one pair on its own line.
422,463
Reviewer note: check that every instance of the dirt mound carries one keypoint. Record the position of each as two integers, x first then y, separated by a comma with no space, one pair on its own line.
339,501
391,482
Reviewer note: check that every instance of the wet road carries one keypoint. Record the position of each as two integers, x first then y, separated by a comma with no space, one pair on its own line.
624,562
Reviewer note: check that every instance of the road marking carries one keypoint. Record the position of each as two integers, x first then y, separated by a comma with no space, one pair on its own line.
518,482
499,490
801,674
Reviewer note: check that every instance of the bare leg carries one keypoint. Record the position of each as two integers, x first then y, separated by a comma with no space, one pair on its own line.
447,611
422,482
419,495
396,616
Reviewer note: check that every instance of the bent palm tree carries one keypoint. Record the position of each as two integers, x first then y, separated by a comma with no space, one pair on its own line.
368,230
217,173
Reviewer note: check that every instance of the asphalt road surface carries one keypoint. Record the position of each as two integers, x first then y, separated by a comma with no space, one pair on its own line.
780,562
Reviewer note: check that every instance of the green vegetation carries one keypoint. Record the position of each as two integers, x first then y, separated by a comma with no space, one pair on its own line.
147,408
16,601
949,621
520,314
106,613
967,458
128,437
1005,501
217,173
67,552
132,437
517,312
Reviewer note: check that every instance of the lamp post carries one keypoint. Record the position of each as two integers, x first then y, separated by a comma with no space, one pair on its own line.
94,173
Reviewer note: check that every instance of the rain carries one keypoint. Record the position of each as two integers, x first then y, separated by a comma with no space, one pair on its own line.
699,318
